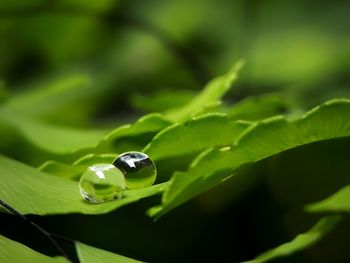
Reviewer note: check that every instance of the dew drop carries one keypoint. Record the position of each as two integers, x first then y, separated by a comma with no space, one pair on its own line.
139,170
101,183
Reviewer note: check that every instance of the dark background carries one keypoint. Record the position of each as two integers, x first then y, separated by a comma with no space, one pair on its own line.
133,49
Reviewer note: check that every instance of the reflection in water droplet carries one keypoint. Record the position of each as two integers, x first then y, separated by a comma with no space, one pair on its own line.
101,183
139,170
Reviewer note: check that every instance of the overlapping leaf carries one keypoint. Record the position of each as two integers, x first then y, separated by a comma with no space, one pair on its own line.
264,139
63,140
210,95
146,124
200,133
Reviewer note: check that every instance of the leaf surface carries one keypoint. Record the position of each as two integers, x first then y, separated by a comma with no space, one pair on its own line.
147,124
33,192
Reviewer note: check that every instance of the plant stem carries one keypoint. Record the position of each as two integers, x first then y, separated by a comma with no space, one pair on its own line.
49,235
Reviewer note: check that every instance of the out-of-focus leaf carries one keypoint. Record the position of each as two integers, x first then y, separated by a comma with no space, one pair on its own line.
52,138
88,254
162,100
12,252
56,100
3,92
34,192
212,130
97,6
20,4
210,95
300,242
336,203
302,55
264,139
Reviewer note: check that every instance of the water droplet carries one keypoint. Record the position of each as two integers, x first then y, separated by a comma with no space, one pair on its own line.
101,183
139,170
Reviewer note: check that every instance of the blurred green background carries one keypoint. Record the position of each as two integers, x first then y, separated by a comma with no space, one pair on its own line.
118,60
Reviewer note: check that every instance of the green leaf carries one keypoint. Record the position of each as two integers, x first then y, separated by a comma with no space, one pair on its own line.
34,192
336,203
147,124
88,254
264,139
212,130
210,95
14,252
300,242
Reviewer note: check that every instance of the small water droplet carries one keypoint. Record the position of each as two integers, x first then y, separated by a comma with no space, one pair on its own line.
101,183
139,170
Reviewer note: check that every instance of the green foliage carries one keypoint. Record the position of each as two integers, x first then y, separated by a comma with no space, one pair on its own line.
199,140
259,141
252,164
